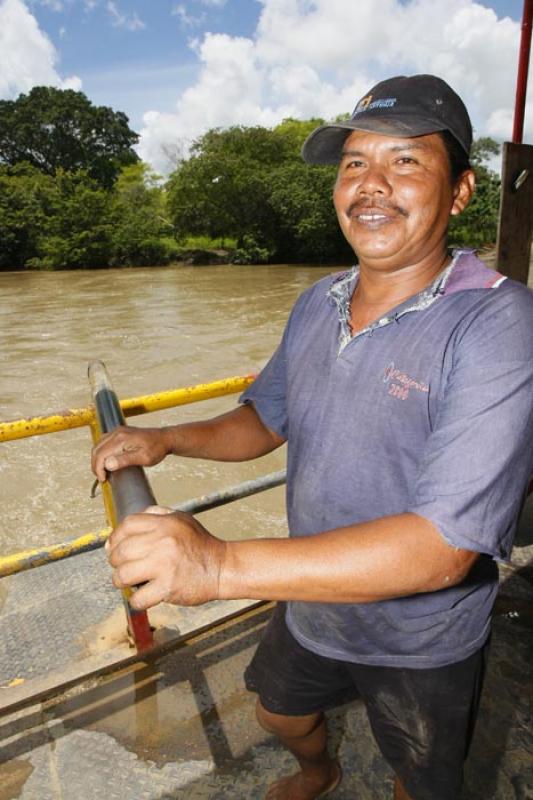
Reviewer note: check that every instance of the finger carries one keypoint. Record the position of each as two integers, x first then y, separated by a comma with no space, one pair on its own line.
116,450
105,446
135,525
118,460
150,595
132,548
133,573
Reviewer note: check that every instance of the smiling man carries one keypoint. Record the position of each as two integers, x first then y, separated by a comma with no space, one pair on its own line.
403,388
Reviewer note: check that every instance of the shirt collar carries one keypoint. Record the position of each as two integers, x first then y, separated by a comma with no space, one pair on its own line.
470,273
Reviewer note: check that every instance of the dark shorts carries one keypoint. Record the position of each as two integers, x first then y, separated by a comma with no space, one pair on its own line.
422,719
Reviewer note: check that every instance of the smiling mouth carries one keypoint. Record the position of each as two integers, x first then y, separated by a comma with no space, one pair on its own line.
375,216
371,217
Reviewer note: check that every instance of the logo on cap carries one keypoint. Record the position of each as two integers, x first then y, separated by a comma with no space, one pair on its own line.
367,104
362,104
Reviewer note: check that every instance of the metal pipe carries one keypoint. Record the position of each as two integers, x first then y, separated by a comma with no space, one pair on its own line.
523,68
245,489
39,556
129,493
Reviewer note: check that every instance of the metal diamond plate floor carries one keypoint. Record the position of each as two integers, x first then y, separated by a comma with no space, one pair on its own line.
183,728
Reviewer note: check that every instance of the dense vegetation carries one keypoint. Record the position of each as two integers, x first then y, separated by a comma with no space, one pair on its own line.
73,193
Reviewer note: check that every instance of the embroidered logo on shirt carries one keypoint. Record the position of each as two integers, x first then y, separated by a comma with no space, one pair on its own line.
400,383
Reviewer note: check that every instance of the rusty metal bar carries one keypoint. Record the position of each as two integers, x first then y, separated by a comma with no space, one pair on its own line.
244,489
37,557
523,68
15,698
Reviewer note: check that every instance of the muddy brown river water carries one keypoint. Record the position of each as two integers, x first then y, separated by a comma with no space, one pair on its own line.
156,329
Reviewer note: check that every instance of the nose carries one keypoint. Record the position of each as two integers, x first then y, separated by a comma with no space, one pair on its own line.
374,181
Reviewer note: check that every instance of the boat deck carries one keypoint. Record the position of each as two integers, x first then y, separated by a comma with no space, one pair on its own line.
183,727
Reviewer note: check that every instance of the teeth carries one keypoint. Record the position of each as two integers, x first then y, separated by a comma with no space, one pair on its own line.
371,217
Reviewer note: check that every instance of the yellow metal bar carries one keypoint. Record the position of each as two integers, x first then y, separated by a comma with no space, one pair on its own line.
78,417
27,559
18,562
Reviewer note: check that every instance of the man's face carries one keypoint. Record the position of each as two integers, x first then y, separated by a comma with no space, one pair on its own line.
394,197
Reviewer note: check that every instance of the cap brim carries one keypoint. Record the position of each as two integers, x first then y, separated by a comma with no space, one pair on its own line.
324,144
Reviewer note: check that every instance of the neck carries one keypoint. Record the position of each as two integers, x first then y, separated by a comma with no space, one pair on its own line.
378,287
378,291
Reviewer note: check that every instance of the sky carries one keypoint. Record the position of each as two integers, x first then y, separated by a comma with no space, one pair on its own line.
180,67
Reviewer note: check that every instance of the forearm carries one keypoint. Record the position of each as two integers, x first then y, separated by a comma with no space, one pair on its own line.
238,435
386,558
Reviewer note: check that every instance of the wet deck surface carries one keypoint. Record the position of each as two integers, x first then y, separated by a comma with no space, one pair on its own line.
184,726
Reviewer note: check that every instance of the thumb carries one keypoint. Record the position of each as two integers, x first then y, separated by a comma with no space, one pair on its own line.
119,461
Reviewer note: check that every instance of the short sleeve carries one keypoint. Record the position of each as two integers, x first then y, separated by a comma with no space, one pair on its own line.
479,457
268,393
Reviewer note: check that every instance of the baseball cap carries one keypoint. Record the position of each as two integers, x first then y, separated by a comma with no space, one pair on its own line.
400,106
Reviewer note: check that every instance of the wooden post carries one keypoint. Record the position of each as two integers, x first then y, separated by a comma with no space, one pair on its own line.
515,228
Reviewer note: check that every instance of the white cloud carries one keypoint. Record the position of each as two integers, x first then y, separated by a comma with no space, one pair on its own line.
317,57
186,19
131,22
27,56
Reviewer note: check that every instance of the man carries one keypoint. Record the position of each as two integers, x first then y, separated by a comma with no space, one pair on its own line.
403,388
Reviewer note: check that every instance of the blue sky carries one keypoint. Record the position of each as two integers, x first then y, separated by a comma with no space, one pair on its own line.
177,67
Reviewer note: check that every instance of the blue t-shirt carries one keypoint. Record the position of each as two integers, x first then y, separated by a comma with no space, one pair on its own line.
429,410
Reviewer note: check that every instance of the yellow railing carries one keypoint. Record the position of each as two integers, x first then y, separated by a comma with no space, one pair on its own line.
78,417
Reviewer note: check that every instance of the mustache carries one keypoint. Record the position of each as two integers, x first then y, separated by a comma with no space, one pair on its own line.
360,205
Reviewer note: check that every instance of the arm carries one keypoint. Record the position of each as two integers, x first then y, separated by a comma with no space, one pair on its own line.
239,435
378,560
371,561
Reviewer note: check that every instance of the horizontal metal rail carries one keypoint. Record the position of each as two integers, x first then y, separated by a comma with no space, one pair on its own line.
78,417
166,639
30,559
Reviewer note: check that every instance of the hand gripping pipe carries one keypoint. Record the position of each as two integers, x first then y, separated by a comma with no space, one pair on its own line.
128,490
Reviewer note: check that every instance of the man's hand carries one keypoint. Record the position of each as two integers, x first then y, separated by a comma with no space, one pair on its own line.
177,558
128,447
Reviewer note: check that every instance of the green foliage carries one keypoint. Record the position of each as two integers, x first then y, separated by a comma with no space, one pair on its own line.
138,217
70,221
207,243
251,184
77,227
477,226
250,252
301,197
59,129
73,193
24,195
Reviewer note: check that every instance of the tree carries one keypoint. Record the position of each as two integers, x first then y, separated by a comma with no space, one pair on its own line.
477,226
251,184
60,129
77,229
24,193
220,190
139,219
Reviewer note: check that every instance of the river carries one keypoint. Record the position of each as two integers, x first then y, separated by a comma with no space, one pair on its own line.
156,329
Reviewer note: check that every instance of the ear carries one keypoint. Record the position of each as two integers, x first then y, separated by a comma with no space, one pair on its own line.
463,191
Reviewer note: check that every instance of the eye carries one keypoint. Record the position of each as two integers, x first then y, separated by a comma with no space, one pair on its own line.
353,163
